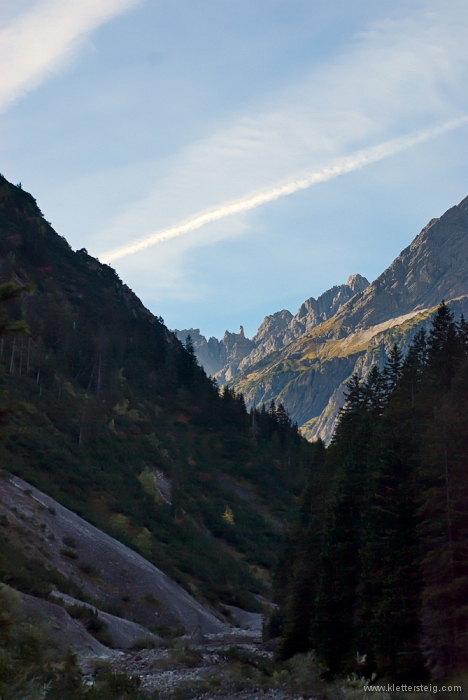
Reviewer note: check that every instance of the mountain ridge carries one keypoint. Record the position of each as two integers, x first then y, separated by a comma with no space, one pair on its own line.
304,361
436,272
234,353
433,267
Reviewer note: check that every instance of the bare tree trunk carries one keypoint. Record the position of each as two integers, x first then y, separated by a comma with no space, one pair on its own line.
91,377
99,378
21,356
12,361
80,436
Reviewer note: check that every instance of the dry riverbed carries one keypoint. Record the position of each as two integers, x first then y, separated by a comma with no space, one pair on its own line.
202,670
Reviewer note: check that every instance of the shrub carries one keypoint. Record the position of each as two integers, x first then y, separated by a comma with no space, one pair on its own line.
153,601
93,623
22,651
144,643
69,553
119,524
87,568
118,682
144,543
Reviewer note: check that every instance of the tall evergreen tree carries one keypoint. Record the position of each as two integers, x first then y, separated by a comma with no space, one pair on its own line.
299,567
388,577
443,523
393,369
333,633
388,606
443,347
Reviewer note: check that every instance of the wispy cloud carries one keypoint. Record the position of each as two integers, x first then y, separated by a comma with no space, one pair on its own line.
35,44
356,161
394,78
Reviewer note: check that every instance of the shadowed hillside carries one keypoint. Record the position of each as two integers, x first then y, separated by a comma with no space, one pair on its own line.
124,428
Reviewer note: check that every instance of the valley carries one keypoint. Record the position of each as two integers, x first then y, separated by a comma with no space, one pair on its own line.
304,361
169,534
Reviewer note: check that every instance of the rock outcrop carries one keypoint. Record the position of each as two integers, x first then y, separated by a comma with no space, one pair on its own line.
279,330
308,375
225,358
432,268
305,360
104,569
64,632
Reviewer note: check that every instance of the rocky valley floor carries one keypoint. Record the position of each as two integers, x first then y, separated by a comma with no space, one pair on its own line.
207,669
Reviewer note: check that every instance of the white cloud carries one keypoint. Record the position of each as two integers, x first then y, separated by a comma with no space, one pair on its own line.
398,76
37,42
343,166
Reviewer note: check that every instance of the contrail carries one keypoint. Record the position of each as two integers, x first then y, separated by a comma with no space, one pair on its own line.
340,167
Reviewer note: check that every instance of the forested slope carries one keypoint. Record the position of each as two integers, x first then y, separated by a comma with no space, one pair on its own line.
122,426
376,568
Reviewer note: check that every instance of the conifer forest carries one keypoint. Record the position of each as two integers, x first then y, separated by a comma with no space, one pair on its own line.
377,561
351,557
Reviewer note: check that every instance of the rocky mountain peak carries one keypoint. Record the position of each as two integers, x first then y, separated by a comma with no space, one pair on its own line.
235,352
314,311
273,325
368,320
431,268
357,283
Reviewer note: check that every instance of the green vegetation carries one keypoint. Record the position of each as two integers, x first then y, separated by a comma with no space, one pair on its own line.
375,574
30,667
113,399
91,621
30,575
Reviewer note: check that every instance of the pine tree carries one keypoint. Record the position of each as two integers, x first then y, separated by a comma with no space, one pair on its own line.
333,630
393,369
9,326
387,575
301,560
443,530
463,335
443,346
375,391
388,606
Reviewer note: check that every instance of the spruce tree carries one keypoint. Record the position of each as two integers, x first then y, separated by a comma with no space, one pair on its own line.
443,347
302,559
333,631
393,369
387,610
386,573
443,526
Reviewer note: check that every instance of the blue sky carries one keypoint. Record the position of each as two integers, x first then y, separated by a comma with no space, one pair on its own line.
134,121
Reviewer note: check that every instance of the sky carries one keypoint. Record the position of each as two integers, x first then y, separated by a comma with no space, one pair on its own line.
231,158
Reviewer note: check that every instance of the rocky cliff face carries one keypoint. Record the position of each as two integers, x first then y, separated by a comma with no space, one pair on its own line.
308,374
219,358
432,268
281,329
225,358
210,353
